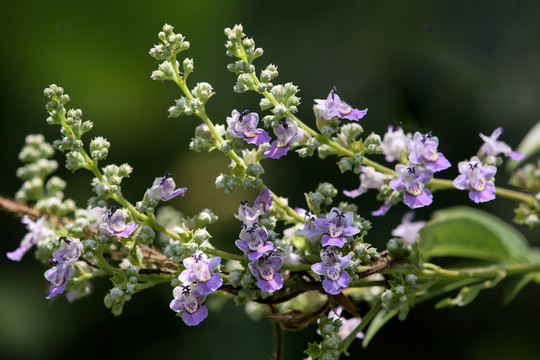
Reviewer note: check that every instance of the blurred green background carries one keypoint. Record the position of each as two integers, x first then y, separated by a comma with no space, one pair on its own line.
456,68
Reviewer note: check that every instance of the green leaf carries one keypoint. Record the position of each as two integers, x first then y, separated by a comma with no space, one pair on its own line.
314,350
377,323
515,286
530,145
471,233
466,295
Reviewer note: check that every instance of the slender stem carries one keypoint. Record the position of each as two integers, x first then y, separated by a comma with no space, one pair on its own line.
365,321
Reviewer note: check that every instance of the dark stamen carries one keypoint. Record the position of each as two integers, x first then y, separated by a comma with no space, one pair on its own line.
245,203
425,137
181,74
186,290
472,167
53,261
339,214
164,178
284,123
411,170
110,212
333,91
197,257
242,114
63,238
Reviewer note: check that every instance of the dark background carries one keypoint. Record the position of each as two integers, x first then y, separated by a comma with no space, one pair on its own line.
452,67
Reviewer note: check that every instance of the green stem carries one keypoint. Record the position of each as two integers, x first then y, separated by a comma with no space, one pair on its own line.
365,321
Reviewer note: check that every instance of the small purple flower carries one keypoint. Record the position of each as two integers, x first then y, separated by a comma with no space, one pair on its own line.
347,325
71,249
163,189
492,147
337,226
188,300
410,181
244,125
35,235
369,179
58,276
311,231
332,268
249,215
334,107
423,150
266,269
383,209
286,132
395,144
199,268
408,230
115,224
253,240
475,177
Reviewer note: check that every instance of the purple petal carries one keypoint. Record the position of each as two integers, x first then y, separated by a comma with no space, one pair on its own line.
354,193
128,230
516,155
275,152
482,196
17,254
382,210
196,317
331,287
336,241
319,268
423,199
205,288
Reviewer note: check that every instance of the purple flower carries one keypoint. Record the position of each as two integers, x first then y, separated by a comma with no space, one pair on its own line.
58,277
71,249
332,268
253,241
200,268
115,224
423,150
337,227
286,131
395,144
369,179
383,209
188,300
492,147
163,188
408,230
35,235
334,107
244,125
249,215
311,231
475,177
410,181
265,268
347,325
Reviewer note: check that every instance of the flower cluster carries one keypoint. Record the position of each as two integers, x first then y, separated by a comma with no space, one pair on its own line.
253,240
423,161
198,280
58,276
335,229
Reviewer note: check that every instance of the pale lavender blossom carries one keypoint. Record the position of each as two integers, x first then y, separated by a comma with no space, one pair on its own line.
334,107
408,230
395,144
244,126
266,269
383,209
476,177
250,215
288,256
200,269
115,224
311,232
337,226
35,235
188,300
347,325
286,132
332,268
163,189
410,182
58,276
254,241
369,179
493,147
423,150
